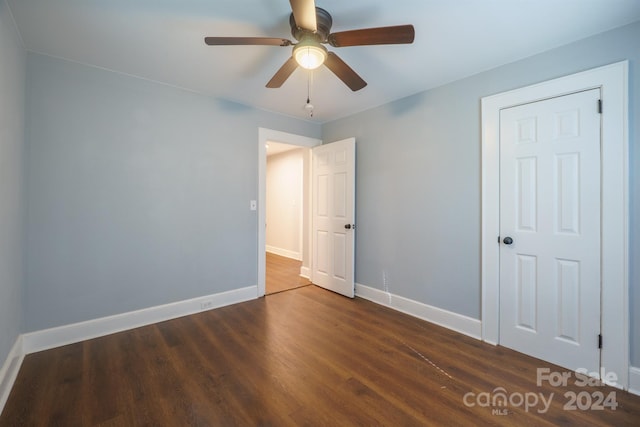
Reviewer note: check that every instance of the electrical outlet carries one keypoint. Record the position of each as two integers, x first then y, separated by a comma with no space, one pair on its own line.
206,305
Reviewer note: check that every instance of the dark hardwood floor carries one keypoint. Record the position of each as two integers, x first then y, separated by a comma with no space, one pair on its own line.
283,274
303,357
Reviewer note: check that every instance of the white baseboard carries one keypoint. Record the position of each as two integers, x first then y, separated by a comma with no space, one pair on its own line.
634,380
9,371
76,332
305,272
457,322
284,252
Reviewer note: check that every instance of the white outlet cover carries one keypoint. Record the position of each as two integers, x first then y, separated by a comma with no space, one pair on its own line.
253,205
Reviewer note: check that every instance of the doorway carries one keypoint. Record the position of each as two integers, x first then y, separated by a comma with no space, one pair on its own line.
267,137
612,81
286,216
332,187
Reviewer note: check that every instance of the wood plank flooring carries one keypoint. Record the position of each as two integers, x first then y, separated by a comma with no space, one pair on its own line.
283,274
303,357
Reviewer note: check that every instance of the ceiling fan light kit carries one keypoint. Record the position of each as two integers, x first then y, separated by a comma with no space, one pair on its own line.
311,27
310,55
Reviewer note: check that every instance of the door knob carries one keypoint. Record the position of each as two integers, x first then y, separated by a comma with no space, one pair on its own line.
349,226
507,240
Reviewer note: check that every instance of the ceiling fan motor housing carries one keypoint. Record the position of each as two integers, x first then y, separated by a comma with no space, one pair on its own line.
323,24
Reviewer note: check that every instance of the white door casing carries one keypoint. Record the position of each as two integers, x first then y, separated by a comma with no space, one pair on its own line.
550,229
333,215
612,80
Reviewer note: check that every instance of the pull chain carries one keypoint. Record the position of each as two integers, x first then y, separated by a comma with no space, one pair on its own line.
309,106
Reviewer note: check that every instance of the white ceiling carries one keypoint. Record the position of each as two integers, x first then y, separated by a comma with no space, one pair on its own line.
162,40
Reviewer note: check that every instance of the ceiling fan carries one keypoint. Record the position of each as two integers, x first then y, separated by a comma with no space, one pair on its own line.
311,26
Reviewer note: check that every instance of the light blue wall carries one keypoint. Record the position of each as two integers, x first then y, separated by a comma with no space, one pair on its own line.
138,193
418,178
12,84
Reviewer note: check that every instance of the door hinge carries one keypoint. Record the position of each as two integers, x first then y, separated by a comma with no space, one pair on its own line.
600,106
599,340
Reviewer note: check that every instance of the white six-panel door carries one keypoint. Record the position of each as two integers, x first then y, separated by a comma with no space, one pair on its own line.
550,209
333,174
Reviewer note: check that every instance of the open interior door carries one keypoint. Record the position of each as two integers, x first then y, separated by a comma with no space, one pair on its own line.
333,218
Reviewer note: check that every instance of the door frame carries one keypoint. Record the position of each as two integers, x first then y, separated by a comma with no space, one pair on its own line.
612,80
264,136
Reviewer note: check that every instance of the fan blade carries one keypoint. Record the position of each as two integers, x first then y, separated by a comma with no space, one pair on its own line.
228,41
344,72
283,73
304,12
400,34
